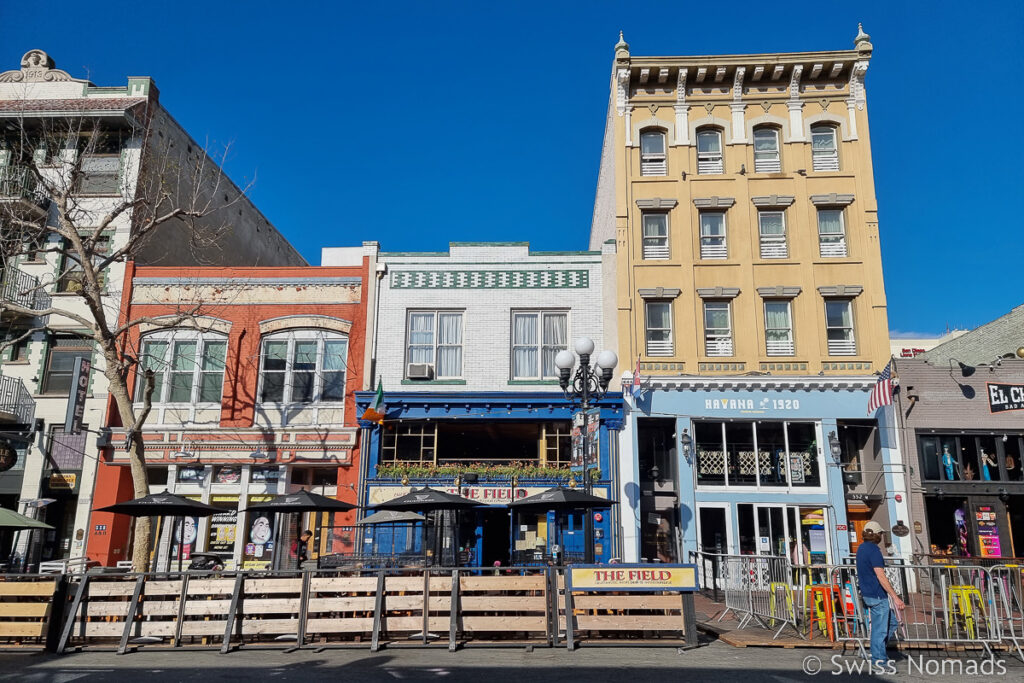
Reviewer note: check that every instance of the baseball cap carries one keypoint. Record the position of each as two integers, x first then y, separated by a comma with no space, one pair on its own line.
874,527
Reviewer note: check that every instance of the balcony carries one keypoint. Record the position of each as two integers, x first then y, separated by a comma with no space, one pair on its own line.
20,190
16,403
20,289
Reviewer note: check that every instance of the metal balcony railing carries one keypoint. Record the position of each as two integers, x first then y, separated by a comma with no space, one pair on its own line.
654,252
659,347
826,161
832,247
717,347
653,166
18,182
842,347
780,347
22,289
15,400
772,248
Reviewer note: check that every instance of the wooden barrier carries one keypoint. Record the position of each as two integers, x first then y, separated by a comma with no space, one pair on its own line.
26,608
492,607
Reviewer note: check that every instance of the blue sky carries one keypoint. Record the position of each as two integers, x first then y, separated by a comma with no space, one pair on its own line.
417,123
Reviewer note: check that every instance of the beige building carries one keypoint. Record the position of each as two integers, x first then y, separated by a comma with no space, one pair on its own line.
739,192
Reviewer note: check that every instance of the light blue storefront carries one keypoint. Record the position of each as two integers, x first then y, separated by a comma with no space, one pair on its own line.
744,465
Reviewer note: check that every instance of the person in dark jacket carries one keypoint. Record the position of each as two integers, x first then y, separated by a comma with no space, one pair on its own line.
299,547
876,591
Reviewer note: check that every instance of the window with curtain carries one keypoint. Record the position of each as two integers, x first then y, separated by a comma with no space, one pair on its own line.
831,233
709,152
652,153
839,327
772,229
824,151
658,328
717,329
188,366
712,235
303,366
435,338
537,337
778,328
766,150
655,235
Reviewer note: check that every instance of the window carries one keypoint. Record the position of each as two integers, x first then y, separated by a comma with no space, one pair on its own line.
303,366
717,329
839,327
778,328
101,165
766,150
435,338
831,233
652,153
709,152
67,451
557,444
712,235
772,228
72,278
659,328
188,367
537,337
655,235
763,453
60,366
414,442
824,152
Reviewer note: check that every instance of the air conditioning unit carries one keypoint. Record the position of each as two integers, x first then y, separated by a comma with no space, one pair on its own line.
420,371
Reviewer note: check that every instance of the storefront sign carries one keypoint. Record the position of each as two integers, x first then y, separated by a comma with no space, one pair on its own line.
988,532
750,404
491,495
1004,397
62,481
634,577
76,400
796,468
221,537
918,528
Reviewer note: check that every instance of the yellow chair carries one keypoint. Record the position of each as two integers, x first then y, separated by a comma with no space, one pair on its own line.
780,587
960,606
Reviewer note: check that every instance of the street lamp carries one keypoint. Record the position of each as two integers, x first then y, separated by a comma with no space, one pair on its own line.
588,383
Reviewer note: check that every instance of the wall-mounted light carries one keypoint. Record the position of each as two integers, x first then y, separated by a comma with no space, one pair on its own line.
1004,495
686,442
834,447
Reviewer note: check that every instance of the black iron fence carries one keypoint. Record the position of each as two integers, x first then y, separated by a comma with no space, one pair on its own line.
16,400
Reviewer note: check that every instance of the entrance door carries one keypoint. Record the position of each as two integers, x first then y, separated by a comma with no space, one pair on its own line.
495,532
713,529
771,530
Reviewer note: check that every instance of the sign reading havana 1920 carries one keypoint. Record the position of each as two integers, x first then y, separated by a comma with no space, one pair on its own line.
634,577
1003,397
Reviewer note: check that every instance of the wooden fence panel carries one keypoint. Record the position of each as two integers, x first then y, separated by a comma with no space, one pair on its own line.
26,607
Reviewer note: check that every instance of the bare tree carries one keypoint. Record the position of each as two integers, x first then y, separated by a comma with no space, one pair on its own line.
112,193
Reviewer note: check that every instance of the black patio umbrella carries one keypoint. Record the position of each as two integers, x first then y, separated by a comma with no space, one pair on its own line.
163,505
426,500
560,499
301,501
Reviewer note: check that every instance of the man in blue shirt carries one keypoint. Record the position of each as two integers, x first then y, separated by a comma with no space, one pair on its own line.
875,591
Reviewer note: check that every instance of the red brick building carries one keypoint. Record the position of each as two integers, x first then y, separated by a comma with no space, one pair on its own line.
255,371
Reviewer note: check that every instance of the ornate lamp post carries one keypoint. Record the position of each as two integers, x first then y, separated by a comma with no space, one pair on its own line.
588,383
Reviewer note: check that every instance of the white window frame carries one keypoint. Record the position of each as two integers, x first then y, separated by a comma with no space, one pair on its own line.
842,347
717,344
836,246
660,347
161,403
779,347
707,249
769,161
828,159
655,246
710,163
653,163
771,245
291,337
435,347
538,343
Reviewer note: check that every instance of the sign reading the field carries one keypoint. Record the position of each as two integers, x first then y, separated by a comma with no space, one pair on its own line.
634,577
1003,397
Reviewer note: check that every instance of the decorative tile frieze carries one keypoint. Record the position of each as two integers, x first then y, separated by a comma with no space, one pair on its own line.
490,279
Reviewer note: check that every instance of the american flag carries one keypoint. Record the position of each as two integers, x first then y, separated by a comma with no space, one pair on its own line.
881,393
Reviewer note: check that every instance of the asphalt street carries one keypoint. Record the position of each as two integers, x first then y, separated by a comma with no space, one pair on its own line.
716,662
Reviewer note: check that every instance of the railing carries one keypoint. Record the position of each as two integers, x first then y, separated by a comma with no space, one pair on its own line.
653,167
713,251
767,165
73,565
780,347
18,182
826,161
16,400
715,348
709,164
833,248
21,289
656,251
842,347
774,249
659,348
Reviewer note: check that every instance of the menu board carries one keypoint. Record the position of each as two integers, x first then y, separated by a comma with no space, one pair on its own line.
988,532
221,537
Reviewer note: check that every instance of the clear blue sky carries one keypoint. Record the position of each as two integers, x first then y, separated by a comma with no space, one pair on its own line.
417,123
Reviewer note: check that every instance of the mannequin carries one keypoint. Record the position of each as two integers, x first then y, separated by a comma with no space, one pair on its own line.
987,461
949,463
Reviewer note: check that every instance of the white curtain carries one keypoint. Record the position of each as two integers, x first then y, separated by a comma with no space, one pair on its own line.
554,341
652,144
776,320
449,345
830,222
524,345
421,338
771,223
709,142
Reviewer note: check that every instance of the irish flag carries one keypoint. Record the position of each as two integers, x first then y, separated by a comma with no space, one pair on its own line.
375,412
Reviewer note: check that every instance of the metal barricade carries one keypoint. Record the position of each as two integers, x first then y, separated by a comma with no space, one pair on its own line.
1008,591
759,588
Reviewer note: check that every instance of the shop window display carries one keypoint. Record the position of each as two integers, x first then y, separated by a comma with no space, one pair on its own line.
970,457
757,453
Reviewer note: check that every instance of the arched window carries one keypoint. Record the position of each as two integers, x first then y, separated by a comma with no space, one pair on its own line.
824,149
187,365
709,152
652,152
766,150
303,366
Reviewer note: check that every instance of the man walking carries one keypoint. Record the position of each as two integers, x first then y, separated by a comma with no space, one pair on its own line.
876,591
